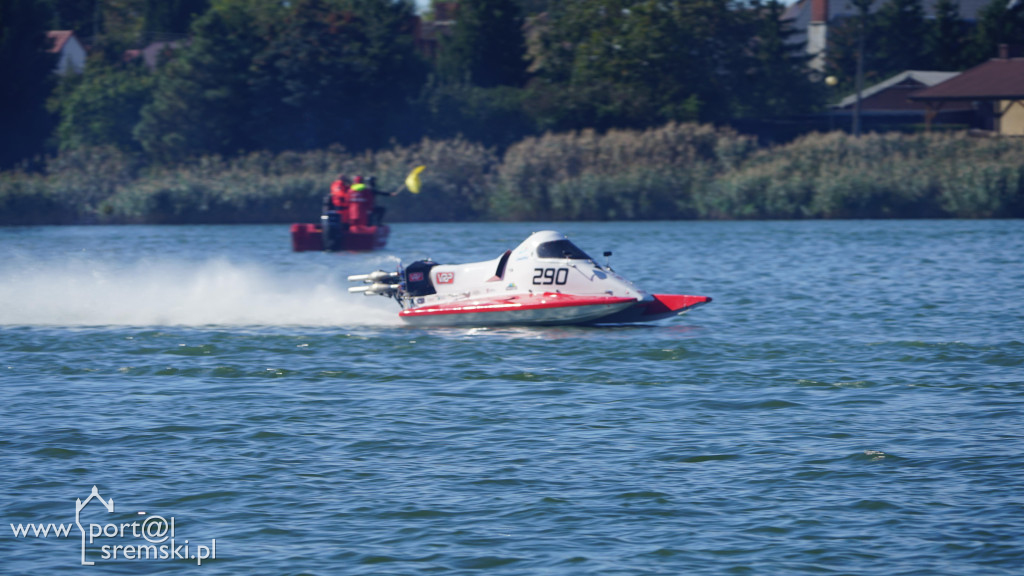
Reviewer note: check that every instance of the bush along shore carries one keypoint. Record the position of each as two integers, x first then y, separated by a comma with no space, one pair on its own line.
678,171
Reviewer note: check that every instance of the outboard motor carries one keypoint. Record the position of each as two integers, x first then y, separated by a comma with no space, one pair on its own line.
333,230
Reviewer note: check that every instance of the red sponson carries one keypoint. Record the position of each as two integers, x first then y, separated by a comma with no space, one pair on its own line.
674,303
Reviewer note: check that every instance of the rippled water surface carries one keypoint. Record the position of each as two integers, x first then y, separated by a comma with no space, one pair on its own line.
850,403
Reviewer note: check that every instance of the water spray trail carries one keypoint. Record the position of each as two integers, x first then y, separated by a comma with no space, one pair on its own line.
167,293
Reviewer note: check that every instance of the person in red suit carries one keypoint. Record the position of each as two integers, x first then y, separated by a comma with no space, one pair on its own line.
339,193
360,203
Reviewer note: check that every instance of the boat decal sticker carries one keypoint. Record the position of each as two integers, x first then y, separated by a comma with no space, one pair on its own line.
548,276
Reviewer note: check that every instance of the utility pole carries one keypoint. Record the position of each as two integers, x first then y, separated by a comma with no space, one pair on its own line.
863,7
96,20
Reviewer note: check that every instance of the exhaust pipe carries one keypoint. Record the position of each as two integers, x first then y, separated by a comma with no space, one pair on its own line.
376,276
377,288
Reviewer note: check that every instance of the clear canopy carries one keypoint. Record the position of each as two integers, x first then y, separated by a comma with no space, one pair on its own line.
561,249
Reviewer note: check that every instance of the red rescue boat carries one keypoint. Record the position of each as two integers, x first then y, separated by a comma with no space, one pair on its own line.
350,219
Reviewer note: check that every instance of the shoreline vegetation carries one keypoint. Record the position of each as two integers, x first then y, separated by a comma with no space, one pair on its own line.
677,171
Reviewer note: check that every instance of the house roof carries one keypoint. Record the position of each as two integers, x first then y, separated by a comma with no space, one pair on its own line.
60,38
909,78
997,79
151,54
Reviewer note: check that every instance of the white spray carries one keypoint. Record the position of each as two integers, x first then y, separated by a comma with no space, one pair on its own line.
165,293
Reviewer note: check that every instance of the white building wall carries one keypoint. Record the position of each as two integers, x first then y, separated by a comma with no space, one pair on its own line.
71,58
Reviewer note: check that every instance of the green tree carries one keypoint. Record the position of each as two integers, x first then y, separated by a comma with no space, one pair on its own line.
107,27
119,25
335,72
202,98
103,106
778,82
643,62
998,23
844,42
171,16
28,79
78,15
265,75
123,23
947,39
900,37
487,45
492,116
530,7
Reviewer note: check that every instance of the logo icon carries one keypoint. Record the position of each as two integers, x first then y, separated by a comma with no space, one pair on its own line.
445,277
79,506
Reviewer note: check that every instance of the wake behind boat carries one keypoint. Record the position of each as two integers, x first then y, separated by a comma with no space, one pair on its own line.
546,280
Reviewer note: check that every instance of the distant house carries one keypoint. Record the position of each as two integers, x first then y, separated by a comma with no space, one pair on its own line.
70,52
810,19
427,34
887,103
995,89
891,95
151,55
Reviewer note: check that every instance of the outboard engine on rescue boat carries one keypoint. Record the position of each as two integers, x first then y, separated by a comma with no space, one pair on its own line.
333,230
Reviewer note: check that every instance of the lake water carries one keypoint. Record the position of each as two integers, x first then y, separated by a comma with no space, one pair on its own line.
852,402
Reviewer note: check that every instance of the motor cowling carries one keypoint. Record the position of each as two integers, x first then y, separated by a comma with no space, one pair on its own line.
417,278
333,231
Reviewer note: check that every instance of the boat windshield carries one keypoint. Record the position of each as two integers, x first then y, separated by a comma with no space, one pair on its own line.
561,249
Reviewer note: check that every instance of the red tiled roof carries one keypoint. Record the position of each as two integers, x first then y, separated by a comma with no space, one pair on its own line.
819,10
997,79
60,38
445,11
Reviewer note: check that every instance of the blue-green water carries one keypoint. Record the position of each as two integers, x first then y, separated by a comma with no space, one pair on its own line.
852,402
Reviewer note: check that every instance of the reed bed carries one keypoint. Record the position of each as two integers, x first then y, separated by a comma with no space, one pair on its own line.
677,171
654,174
877,176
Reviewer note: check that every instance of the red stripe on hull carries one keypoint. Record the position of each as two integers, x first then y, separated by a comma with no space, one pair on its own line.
546,308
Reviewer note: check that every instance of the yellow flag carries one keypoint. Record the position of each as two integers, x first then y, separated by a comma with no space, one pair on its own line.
412,181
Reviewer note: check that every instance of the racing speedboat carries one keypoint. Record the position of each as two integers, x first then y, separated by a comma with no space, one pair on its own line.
546,280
